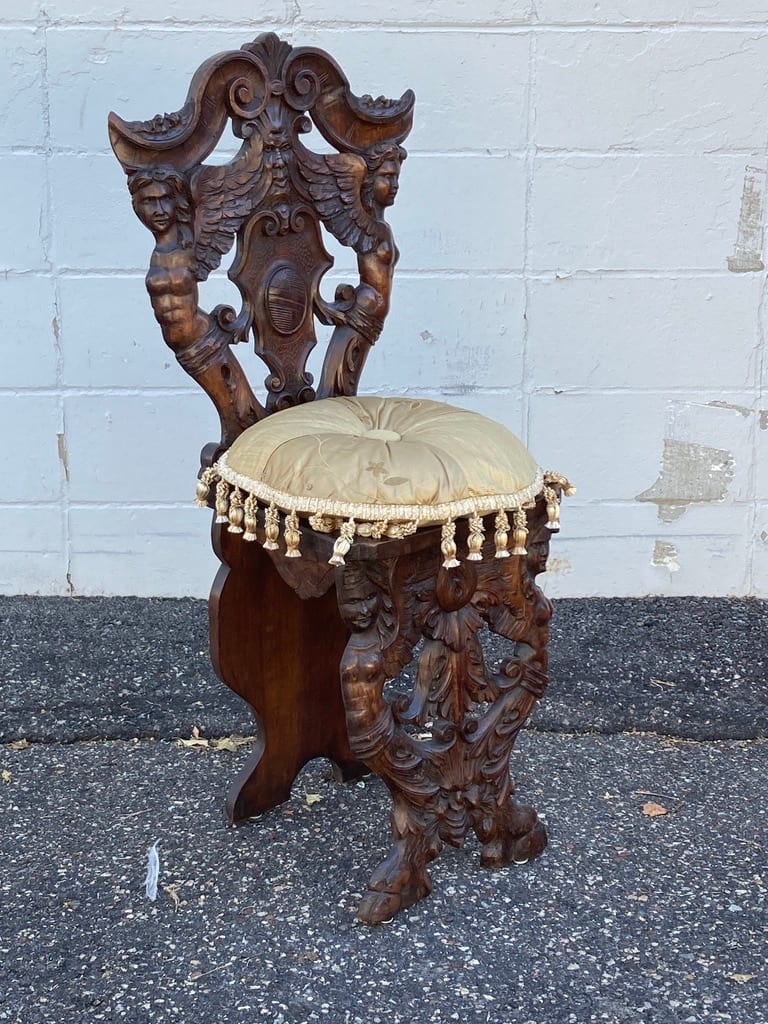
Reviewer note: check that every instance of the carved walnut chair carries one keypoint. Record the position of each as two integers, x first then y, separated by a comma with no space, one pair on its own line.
339,520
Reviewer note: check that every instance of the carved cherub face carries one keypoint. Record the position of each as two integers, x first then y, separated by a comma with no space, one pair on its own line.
386,182
155,206
360,605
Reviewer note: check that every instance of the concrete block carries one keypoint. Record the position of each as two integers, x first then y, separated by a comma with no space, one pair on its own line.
129,448
629,212
33,458
450,333
461,213
760,554
94,224
761,450
452,110
136,73
23,213
21,87
614,550
170,12
504,407
21,10
32,551
427,13
119,347
621,445
654,90
644,332
615,12
149,552
27,314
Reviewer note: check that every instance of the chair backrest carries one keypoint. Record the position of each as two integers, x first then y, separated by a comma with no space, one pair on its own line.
272,198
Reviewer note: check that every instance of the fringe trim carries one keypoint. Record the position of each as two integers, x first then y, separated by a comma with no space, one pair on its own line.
366,520
423,514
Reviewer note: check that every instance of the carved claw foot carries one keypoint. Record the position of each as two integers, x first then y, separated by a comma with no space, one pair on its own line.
518,837
399,881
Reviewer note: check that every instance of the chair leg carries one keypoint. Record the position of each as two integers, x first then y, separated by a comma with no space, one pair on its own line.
281,655
443,751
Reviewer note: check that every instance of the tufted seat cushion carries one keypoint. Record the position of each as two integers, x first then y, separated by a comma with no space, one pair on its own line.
376,467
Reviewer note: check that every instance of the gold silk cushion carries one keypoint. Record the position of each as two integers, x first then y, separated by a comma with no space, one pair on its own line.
373,466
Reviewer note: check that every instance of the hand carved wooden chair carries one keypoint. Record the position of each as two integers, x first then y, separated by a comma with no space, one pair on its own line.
339,520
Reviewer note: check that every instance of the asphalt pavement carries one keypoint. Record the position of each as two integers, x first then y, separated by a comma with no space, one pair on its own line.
647,759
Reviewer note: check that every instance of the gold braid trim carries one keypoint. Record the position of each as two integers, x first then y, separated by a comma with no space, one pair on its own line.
327,516
424,515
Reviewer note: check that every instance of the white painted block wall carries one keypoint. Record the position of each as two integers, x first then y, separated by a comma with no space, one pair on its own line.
572,195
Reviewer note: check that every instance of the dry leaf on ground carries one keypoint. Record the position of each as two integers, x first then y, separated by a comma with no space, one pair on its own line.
654,810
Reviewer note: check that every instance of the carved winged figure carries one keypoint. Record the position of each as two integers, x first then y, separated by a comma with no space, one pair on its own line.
351,193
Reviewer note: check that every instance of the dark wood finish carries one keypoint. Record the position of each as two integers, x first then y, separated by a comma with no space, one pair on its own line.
271,198
281,655
281,627
444,749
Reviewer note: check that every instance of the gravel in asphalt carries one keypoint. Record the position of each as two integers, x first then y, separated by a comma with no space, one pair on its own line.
630,915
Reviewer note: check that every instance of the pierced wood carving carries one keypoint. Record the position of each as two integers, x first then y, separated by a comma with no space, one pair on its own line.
271,199
444,749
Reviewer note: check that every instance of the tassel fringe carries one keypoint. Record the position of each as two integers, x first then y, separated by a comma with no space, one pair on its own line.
448,545
271,528
343,543
236,512
475,539
292,536
239,512
501,536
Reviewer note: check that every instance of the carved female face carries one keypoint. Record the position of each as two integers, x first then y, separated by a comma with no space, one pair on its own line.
360,605
538,552
155,206
385,182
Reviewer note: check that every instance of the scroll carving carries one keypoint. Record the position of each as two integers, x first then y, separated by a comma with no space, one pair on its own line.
443,750
270,200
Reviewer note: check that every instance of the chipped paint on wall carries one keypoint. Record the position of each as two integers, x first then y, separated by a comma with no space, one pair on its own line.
697,460
689,473
748,251
61,443
665,555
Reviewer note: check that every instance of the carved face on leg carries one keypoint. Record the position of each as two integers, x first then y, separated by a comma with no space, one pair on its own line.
359,608
538,551
360,602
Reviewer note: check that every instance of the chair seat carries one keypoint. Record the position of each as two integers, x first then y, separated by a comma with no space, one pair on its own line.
375,467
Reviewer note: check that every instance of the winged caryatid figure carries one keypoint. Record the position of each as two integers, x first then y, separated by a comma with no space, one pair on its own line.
194,223
351,193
